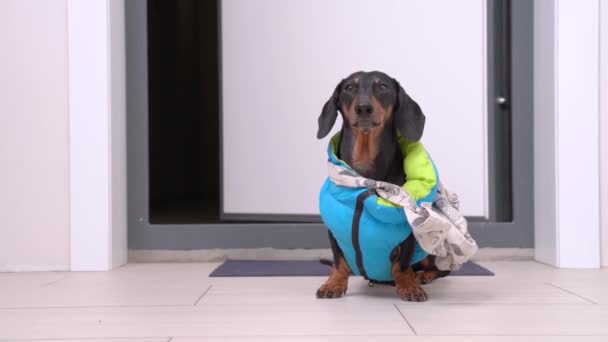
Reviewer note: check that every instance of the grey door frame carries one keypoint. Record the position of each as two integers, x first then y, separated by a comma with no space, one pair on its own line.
519,232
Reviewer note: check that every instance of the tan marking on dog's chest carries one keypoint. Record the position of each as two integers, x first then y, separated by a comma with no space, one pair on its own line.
365,147
365,150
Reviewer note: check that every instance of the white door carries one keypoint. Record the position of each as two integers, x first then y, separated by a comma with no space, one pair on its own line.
281,60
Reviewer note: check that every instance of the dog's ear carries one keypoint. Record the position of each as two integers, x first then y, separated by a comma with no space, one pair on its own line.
329,113
409,118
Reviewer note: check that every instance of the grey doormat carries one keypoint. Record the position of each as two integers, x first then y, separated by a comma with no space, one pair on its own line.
306,268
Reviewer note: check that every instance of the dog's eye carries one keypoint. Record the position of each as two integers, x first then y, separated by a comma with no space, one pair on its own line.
383,86
349,87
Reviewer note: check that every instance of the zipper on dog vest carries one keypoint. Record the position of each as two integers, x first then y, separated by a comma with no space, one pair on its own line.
355,231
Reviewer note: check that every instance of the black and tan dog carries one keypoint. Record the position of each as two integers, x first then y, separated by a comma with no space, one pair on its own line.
374,108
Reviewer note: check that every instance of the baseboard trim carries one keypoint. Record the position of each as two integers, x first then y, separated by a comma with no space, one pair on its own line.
216,255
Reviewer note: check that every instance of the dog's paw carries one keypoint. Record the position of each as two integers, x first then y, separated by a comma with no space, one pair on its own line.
330,290
425,277
412,293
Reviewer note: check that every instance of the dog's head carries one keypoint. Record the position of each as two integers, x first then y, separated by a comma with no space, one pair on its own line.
370,101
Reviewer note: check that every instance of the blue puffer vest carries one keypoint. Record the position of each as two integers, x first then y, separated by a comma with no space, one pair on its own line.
368,228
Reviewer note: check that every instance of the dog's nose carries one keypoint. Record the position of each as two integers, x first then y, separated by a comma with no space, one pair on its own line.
363,108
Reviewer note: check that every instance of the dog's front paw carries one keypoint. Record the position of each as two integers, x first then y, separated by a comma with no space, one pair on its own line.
425,277
412,293
331,290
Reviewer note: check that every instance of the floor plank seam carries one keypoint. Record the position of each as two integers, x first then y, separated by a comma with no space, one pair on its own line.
244,337
134,338
514,335
203,295
572,293
97,307
308,335
54,281
405,319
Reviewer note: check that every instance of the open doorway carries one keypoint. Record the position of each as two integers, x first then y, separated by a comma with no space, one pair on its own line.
184,114
173,131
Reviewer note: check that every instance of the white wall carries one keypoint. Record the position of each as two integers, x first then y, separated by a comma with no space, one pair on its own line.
283,59
604,127
34,210
98,220
566,135
118,132
545,238
62,135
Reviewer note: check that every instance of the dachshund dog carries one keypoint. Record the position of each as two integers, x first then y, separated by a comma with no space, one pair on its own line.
375,109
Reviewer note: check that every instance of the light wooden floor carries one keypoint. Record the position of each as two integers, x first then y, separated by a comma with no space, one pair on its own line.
526,301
